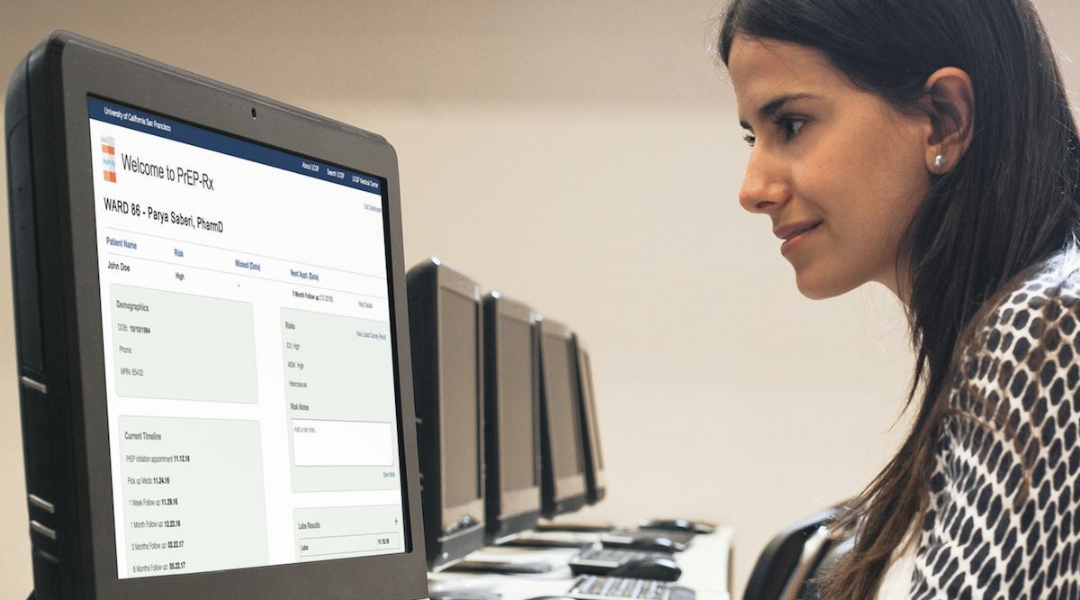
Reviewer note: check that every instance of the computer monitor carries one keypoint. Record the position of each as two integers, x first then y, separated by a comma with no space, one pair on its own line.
512,411
447,349
562,450
210,307
594,457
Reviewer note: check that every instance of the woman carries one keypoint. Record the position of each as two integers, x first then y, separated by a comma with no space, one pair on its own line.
928,145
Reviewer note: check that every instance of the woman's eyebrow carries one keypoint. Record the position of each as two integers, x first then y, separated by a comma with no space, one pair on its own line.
773,106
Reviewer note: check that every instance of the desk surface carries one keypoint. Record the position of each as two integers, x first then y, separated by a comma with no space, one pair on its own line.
705,565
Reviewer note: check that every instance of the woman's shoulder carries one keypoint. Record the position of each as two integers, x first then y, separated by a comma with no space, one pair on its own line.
1022,358
1034,323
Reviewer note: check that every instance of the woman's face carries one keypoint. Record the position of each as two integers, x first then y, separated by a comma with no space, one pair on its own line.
839,170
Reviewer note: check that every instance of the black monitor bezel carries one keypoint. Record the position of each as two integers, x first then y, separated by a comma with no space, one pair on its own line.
559,495
508,512
65,71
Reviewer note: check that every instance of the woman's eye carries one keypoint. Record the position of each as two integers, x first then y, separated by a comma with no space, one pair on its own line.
791,126
788,126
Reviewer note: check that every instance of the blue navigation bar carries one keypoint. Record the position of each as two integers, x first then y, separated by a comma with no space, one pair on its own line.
163,127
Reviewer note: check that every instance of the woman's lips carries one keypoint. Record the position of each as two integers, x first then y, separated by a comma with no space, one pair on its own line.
794,234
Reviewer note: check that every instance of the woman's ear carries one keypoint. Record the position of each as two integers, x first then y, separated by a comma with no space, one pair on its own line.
950,103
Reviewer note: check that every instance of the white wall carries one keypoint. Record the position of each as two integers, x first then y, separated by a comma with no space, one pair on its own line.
583,157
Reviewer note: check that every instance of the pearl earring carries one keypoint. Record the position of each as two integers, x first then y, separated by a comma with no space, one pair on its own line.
939,161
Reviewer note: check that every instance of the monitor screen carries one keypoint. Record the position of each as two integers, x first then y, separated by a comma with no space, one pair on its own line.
517,403
246,326
445,326
513,416
563,451
459,392
567,451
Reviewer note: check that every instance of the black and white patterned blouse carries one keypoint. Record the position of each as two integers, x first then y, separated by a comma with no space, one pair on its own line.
1004,518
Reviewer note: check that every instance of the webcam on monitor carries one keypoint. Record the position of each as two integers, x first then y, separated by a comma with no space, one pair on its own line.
212,339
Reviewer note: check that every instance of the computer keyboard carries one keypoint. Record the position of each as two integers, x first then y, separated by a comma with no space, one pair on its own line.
514,567
680,537
593,587
601,561
645,542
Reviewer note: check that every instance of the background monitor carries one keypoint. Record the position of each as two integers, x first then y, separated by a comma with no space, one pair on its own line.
562,451
447,349
512,411
594,457
192,285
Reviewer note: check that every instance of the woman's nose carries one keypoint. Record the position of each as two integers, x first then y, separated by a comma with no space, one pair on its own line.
764,185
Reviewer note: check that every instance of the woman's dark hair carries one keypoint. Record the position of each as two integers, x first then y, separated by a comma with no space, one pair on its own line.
1010,202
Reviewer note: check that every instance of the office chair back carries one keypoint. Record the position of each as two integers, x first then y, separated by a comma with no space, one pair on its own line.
791,558
838,547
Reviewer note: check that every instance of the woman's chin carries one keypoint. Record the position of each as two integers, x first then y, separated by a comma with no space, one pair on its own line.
816,287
